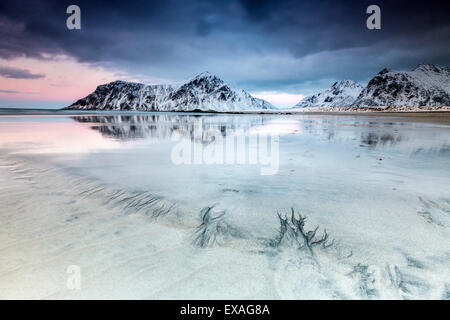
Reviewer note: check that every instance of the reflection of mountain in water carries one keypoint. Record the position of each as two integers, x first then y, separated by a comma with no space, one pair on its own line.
410,137
161,126
410,140
373,139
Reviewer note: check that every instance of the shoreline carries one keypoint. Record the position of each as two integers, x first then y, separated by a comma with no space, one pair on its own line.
438,116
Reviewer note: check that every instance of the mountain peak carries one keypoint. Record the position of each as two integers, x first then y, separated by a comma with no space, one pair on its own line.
116,82
206,79
344,83
122,82
427,67
204,74
384,71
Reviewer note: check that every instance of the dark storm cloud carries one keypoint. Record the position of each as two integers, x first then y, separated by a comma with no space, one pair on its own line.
14,73
261,45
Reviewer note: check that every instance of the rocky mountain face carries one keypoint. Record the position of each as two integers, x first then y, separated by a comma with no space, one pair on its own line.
426,85
205,92
342,93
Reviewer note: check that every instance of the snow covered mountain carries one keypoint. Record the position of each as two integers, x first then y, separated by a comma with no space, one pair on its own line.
204,92
342,93
426,85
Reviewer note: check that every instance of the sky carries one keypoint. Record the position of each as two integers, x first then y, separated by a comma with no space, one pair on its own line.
278,50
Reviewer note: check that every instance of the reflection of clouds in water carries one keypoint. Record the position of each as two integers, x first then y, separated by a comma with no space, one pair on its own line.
51,137
277,127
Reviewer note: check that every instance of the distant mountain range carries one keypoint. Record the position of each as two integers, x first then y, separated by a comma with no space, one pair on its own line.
425,86
205,92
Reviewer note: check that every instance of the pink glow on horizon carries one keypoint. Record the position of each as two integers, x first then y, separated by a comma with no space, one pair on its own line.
65,79
68,80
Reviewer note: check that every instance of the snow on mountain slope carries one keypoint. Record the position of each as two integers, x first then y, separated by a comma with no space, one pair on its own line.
204,92
342,93
427,85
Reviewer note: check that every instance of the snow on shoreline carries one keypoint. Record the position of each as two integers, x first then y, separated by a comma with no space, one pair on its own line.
343,110
373,109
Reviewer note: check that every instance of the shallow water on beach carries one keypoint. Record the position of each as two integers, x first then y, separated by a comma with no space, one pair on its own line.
111,194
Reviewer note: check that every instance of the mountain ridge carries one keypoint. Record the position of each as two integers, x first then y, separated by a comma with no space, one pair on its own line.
426,85
203,92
